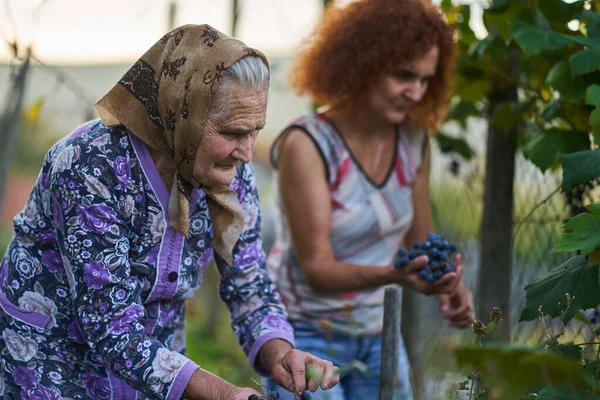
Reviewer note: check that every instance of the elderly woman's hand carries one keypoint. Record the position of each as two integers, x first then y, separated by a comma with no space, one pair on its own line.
296,370
299,371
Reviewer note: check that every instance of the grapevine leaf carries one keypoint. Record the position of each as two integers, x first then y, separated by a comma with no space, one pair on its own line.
579,168
512,371
533,40
561,79
582,234
563,349
458,145
576,277
585,61
564,392
545,148
593,95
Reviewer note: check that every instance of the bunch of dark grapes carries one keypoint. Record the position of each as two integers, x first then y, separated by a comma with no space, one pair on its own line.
274,395
580,195
439,251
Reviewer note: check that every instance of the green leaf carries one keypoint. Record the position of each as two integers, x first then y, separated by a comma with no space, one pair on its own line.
594,208
595,118
561,79
559,12
457,145
564,392
497,21
585,61
461,111
593,96
576,277
512,371
473,90
498,6
563,349
511,113
583,234
550,110
533,40
579,168
545,148
492,46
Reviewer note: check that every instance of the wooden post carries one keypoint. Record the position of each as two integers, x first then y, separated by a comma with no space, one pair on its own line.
390,341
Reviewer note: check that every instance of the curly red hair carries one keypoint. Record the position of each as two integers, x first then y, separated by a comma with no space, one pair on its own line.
355,45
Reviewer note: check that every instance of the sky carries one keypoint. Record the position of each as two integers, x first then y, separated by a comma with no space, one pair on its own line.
113,31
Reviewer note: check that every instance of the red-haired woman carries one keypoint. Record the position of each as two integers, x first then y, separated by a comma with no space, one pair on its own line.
353,183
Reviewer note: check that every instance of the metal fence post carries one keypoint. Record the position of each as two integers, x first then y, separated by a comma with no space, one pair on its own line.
389,343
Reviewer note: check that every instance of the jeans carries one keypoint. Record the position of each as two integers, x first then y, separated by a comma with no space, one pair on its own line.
359,359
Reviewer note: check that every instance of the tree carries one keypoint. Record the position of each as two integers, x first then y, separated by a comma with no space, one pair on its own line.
528,78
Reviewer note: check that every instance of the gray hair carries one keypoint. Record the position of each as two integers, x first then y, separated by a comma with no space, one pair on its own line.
249,71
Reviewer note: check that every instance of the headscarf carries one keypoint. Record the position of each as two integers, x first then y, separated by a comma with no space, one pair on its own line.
164,99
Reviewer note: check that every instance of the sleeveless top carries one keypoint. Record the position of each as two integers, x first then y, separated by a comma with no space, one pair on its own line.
368,225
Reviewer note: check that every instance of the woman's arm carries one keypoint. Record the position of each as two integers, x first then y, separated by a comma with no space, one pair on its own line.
307,202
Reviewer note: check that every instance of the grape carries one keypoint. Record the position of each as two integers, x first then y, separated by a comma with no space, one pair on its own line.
306,395
274,395
402,262
439,252
253,397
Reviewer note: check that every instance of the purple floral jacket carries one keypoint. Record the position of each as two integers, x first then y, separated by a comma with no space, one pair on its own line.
94,282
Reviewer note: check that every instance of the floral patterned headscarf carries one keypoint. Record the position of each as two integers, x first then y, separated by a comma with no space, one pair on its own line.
164,99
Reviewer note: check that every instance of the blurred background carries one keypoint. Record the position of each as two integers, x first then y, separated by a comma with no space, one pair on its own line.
79,49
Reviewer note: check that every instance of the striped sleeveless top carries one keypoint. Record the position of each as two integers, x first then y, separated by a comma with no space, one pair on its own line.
369,223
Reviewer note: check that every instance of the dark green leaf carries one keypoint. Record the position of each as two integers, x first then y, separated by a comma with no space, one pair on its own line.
585,61
461,111
576,277
492,46
564,392
511,113
595,118
545,148
592,20
579,168
583,234
593,96
457,145
446,5
560,78
559,12
533,40
498,23
550,110
563,349
513,371
498,6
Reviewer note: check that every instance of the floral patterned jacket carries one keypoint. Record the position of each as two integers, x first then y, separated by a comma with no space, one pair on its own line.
93,284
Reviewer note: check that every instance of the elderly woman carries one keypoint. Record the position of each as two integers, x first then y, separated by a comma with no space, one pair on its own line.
354,183
126,212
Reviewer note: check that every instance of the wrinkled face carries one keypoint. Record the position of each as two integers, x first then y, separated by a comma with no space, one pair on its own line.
229,141
394,94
